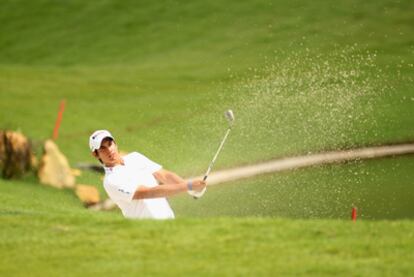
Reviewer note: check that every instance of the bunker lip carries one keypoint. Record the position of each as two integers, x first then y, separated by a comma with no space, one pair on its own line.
290,163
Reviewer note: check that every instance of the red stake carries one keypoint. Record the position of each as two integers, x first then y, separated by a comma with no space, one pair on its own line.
58,119
354,214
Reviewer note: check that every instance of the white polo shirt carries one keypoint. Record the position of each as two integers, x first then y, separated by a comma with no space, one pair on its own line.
122,181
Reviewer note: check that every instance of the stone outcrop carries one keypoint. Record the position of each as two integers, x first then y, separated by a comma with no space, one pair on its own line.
89,195
16,157
54,169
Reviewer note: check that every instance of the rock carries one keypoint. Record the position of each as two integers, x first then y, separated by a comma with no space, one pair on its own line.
16,157
89,195
54,168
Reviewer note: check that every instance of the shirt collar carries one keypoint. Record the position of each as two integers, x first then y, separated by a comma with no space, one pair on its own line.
113,168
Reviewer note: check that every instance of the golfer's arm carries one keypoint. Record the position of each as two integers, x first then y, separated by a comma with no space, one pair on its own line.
167,177
159,191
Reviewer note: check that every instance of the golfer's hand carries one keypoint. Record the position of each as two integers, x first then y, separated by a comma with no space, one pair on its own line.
199,185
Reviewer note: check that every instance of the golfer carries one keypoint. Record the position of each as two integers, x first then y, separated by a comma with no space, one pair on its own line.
135,183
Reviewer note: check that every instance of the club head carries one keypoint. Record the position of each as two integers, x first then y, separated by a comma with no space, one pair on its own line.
229,116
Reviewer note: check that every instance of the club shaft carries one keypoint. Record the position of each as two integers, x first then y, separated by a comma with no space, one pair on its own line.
217,153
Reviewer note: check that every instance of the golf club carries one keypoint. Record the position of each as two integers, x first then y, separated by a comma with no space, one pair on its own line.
230,118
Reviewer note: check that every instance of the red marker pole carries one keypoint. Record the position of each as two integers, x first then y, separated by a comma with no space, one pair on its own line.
354,214
59,119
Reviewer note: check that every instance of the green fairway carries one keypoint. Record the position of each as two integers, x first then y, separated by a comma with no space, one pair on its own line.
302,77
49,233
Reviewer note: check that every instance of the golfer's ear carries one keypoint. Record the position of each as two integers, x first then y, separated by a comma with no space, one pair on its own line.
95,154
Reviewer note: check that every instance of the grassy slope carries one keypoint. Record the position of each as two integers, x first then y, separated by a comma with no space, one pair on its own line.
144,60
380,189
68,240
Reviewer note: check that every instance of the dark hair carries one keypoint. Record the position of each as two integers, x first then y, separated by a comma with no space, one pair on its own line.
96,151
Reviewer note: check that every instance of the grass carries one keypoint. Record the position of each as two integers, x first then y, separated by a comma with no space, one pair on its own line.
139,70
129,248
301,77
380,189
63,234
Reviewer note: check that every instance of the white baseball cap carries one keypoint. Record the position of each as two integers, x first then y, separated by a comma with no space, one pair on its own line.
97,137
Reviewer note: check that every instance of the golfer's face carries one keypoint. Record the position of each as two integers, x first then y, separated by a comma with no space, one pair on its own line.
108,152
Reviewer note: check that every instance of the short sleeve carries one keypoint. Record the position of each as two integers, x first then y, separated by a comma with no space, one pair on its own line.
120,189
147,163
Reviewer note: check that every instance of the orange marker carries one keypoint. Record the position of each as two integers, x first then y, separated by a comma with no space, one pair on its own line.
58,119
354,214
